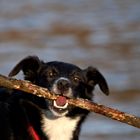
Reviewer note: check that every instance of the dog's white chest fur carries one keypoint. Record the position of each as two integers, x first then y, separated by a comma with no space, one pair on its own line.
59,129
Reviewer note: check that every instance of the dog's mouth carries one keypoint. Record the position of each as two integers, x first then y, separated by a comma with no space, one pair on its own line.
61,102
60,106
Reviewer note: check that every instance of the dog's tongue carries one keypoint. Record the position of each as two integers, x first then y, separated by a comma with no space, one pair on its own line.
61,101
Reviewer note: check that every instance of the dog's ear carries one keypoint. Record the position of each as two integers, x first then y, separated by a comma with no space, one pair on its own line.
29,66
94,77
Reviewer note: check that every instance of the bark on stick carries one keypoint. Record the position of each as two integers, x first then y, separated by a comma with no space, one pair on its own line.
85,104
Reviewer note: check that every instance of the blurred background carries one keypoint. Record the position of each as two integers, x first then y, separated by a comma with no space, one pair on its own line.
101,33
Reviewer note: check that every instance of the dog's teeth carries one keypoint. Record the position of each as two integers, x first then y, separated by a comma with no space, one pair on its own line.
60,107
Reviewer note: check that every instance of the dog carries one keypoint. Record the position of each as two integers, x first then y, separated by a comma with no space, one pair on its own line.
28,117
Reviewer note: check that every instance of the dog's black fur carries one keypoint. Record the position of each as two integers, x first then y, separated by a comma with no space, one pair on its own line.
19,109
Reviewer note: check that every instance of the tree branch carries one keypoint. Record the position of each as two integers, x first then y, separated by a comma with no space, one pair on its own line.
85,104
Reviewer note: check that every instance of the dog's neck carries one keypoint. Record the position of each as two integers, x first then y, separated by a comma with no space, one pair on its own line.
59,129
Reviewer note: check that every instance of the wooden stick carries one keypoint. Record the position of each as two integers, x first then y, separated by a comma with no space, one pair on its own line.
85,104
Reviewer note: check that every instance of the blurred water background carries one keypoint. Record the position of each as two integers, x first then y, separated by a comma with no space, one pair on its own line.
101,33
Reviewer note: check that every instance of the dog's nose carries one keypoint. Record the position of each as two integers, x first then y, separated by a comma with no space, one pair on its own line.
63,85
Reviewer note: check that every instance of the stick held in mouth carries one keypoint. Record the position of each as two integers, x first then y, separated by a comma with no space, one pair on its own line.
97,108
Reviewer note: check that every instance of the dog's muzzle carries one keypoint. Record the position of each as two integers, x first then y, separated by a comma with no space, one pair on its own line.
62,87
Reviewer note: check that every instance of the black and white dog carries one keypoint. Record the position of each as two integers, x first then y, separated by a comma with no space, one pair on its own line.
28,117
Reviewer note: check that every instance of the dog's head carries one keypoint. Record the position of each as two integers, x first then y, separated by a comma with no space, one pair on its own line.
64,79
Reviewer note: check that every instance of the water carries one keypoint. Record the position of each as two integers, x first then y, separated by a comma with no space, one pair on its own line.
104,34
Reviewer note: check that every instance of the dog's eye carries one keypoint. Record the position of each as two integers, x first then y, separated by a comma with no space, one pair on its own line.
51,74
76,79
